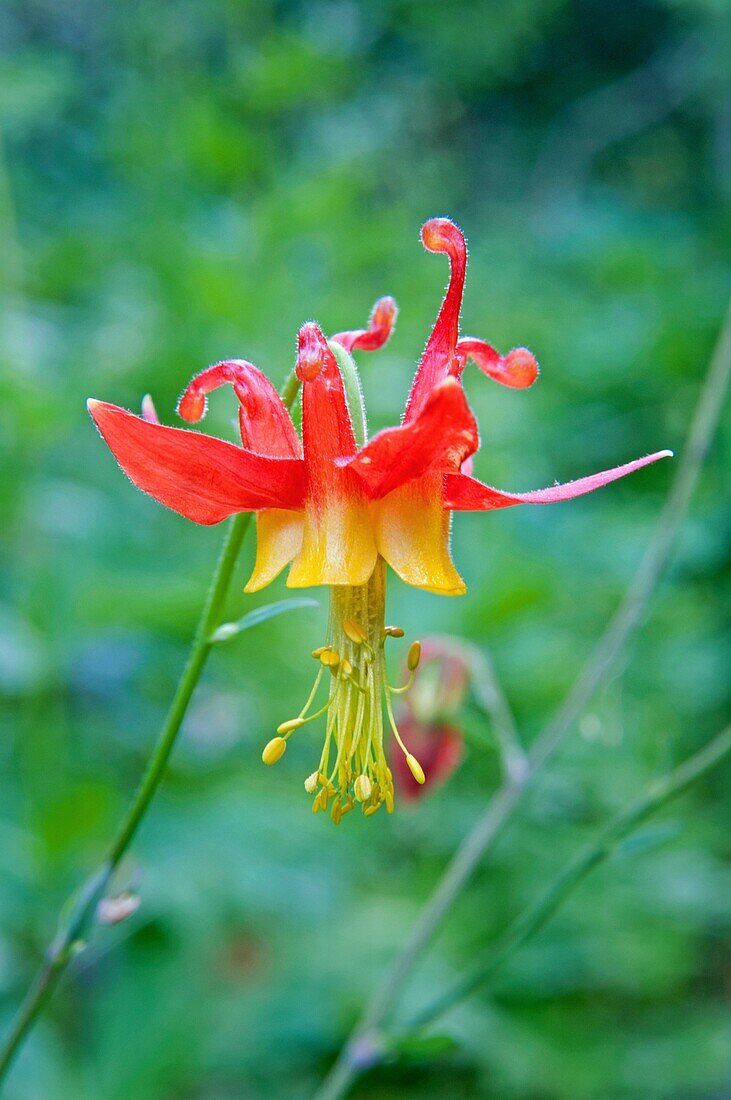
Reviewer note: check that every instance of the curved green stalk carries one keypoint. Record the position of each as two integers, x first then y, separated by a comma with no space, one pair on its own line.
536,915
77,916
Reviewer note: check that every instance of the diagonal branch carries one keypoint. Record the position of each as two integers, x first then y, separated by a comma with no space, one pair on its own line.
491,699
364,1048
536,915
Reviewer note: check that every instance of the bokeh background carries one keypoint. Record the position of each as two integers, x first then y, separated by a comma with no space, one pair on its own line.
182,182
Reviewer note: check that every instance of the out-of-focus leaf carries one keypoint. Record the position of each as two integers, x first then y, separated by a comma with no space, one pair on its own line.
422,1048
23,659
260,615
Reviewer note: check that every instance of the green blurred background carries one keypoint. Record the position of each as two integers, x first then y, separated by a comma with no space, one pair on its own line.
182,182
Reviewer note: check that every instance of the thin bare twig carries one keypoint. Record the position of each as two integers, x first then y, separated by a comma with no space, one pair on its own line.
536,915
364,1047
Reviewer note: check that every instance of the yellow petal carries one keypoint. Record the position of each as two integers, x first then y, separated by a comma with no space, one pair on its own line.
412,534
278,539
338,546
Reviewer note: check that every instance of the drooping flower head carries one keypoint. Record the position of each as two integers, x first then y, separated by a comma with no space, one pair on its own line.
338,508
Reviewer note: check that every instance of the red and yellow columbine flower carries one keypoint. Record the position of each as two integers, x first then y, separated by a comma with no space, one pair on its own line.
337,508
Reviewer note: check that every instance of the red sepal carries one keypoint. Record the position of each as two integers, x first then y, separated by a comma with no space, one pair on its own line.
201,477
380,326
440,437
465,494
265,424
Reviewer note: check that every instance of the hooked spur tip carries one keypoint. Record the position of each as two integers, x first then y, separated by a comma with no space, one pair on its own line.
442,235
192,406
384,312
311,348
522,366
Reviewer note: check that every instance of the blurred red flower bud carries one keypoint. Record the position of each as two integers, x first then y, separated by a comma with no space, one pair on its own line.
443,682
438,749
429,717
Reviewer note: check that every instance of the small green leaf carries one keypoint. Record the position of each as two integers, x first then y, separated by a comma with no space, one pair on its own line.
260,615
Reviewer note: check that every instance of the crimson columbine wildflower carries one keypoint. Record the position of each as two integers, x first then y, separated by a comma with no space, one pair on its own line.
337,508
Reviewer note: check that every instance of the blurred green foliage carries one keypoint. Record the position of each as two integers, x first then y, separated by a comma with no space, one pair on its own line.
181,182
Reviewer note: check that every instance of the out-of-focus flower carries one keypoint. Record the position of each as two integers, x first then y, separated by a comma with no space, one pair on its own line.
444,680
430,716
438,747
337,508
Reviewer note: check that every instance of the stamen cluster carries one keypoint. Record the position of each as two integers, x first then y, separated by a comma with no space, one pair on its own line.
352,768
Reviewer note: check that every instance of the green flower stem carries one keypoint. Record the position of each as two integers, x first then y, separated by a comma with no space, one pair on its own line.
536,915
364,1046
78,915
197,658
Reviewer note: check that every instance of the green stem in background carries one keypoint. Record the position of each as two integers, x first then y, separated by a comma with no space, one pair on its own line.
490,698
535,916
200,649
364,1046
78,915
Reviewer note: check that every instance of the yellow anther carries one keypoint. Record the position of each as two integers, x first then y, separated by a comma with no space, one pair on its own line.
290,724
388,798
347,807
274,750
362,788
393,632
368,811
355,631
346,668
329,658
311,782
337,811
316,653
414,656
415,768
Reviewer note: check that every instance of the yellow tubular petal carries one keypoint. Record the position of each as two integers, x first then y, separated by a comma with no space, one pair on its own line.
338,546
412,534
278,540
